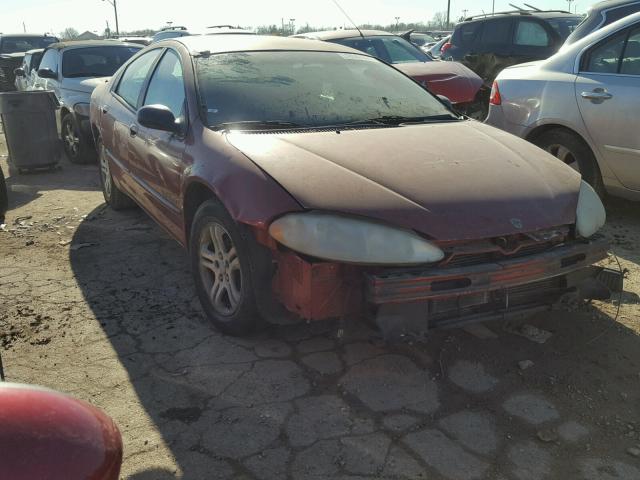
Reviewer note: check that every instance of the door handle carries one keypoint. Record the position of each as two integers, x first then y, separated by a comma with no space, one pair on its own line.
597,94
133,130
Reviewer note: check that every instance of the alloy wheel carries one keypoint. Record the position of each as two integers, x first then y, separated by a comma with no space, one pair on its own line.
220,269
71,139
105,173
563,153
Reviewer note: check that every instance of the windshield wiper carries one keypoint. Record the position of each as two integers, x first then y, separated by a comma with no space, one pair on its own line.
399,119
256,125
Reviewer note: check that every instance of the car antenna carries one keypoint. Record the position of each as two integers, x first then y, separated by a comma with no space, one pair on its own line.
532,7
348,17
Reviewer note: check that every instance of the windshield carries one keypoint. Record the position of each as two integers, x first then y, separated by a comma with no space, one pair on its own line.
308,89
421,39
22,44
389,48
95,61
564,26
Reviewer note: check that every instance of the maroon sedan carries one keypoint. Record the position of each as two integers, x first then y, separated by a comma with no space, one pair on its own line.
312,176
451,79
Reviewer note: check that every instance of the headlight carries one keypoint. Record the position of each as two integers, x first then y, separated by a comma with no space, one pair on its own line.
590,214
82,109
352,240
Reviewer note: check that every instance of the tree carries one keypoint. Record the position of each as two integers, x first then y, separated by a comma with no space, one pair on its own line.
440,20
69,33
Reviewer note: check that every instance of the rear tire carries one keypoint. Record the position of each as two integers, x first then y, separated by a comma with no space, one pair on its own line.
573,151
113,196
225,271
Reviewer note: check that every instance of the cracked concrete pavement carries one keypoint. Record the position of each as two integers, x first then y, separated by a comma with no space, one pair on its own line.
100,304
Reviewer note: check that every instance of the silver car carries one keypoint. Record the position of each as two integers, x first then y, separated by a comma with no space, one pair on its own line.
72,70
582,105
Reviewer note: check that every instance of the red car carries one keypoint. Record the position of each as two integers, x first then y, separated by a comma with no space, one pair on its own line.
312,176
48,435
451,79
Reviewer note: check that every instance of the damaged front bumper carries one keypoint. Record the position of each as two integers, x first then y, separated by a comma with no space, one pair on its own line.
418,299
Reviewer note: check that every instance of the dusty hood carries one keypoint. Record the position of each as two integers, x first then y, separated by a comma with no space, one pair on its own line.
85,85
450,79
450,181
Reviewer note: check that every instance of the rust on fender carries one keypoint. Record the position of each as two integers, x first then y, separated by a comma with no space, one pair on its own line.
46,435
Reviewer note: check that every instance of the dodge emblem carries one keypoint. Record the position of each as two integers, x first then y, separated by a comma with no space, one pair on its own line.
517,223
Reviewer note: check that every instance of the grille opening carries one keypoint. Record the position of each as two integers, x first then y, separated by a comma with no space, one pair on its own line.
568,261
451,284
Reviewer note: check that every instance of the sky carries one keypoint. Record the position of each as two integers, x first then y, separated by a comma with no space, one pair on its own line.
56,15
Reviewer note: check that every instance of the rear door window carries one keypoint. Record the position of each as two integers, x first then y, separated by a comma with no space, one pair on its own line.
631,57
496,32
134,77
531,34
605,57
467,33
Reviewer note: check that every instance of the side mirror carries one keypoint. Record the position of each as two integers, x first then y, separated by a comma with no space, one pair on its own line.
47,73
19,72
158,117
445,101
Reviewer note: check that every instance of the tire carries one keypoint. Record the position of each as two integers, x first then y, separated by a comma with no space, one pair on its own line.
113,196
4,198
78,149
572,150
226,270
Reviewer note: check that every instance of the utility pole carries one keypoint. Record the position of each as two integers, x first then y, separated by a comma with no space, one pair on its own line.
115,11
493,7
292,25
569,4
397,22
464,13
448,13
24,27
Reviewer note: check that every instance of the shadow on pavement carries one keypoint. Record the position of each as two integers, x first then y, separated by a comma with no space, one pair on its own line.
261,407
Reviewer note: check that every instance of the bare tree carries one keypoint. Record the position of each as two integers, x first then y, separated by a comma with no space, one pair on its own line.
69,33
440,20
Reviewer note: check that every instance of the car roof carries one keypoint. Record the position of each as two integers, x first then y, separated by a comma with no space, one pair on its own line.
25,35
608,4
339,34
91,43
545,14
198,44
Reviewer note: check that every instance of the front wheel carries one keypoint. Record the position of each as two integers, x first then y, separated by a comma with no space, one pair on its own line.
223,271
77,147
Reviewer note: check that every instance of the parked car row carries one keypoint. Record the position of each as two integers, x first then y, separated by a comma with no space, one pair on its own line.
581,105
450,79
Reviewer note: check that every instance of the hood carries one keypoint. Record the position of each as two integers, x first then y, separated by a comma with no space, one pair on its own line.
448,181
84,85
451,79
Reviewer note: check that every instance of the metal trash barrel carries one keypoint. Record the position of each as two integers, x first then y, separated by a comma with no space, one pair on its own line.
29,121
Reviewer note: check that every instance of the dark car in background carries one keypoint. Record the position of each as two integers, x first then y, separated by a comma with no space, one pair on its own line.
489,43
72,70
602,14
453,80
12,50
